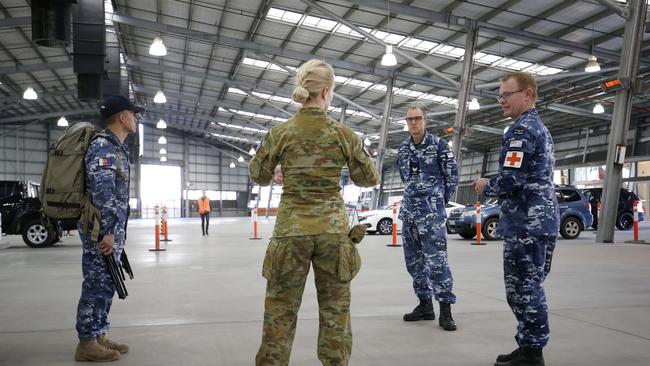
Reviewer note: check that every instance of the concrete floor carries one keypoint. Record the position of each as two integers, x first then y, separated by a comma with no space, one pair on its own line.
201,302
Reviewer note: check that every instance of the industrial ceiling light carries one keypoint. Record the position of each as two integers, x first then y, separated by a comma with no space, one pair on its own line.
162,151
162,140
592,64
157,47
160,97
232,164
474,105
598,109
251,152
367,142
240,159
30,94
163,158
389,59
161,124
62,122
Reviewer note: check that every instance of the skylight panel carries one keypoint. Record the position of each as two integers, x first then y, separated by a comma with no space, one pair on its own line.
275,67
345,30
263,116
275,13
262,95
391,38
281,99
341,79
359,83
236,91
248,61
458,52
520,65
379,88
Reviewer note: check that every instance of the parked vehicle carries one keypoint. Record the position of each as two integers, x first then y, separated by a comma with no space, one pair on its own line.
20,208
625,211
381,220
575,216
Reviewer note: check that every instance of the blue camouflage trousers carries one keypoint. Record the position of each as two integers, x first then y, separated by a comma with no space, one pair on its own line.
425,252
526,263
97,290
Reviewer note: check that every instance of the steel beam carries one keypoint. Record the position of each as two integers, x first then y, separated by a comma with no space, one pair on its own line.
615,7
471,38
388,104
25,68
15,22
42,116
577,111
632,41
562,75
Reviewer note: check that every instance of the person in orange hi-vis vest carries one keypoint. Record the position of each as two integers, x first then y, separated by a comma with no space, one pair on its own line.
204,211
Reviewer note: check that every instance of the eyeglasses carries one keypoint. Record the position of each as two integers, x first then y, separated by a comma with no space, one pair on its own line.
507,95
414,119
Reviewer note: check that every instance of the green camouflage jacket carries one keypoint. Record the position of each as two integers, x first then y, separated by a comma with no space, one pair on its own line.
312,149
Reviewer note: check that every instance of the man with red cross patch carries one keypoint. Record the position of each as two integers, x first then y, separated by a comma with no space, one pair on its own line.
530,216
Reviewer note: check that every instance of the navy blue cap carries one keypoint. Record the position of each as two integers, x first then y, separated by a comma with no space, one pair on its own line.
116,103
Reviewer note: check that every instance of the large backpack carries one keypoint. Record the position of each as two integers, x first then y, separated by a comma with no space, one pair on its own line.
63,188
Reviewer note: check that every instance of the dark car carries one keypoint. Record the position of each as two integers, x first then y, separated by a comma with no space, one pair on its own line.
625,211
575,215
21,214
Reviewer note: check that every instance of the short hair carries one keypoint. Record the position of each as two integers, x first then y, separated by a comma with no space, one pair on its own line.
111,119
419,106
311,78
524,80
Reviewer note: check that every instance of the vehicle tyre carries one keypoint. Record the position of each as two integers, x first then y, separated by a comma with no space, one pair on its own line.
385,226
467,235
570,228
625,221
450,230
489,228
37,235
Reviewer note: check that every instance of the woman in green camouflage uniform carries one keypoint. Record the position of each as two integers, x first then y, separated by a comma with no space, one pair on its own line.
312,223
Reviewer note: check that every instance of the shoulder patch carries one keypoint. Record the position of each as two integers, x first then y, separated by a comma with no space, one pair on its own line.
105,162
513,159
450,154
518,131
516,143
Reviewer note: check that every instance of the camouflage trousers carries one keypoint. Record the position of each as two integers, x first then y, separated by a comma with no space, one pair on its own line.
97,291
286,266
526,263
425,253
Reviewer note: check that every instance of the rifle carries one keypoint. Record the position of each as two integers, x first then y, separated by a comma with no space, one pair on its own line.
117,273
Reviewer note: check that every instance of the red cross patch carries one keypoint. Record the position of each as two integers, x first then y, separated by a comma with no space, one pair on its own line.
513,159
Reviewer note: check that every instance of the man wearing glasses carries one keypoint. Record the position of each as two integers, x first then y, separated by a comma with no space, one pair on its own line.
529,219
428,170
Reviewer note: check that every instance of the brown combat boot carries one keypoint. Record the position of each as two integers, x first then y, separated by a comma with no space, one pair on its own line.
90,350
119,347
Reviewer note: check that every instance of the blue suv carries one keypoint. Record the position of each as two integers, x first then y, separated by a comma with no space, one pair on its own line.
575,215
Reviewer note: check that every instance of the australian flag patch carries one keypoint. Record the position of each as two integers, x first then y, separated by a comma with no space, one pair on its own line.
105,162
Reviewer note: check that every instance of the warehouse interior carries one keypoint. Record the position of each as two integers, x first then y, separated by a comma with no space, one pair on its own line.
215,76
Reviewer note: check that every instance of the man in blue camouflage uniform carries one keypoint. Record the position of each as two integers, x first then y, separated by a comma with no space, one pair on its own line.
428,170
107,182
530,216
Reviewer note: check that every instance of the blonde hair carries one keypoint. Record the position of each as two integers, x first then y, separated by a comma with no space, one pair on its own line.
524,80
311,78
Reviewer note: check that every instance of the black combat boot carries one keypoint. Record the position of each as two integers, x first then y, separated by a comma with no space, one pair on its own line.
504,359
445,320
424,311
523,356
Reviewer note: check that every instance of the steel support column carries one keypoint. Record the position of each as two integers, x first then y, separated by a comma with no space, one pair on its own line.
381,153
463,94
621,118
186,174
344,110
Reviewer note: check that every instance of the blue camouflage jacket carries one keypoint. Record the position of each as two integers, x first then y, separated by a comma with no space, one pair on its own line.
107,180
524,183
430,177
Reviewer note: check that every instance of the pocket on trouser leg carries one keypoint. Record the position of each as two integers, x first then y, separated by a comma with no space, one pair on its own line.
349,262
277,257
